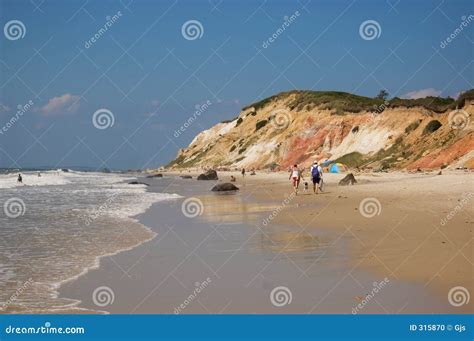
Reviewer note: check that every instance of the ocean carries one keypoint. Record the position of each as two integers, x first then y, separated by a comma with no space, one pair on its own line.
56,227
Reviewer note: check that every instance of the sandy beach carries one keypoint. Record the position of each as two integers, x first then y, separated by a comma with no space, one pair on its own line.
393,243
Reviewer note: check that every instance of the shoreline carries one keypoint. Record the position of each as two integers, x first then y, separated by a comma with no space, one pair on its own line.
141,233
274,183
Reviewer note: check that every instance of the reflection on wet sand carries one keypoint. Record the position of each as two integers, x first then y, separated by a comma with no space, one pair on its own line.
289,241
234,208
231,208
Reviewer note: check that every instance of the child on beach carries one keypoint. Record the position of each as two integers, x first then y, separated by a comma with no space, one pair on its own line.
295,176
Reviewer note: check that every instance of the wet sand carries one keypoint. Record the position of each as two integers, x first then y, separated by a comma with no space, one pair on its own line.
329,257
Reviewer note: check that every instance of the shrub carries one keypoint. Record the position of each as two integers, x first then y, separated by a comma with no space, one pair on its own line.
232,148
260,124
431,127
239,121
354,159
412,126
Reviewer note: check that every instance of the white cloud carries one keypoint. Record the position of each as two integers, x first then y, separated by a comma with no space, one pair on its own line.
63,104
422,93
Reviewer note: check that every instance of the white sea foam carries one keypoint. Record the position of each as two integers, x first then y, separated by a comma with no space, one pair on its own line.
48,178
64,246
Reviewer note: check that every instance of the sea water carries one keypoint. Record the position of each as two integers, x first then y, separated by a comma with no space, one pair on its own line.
56,226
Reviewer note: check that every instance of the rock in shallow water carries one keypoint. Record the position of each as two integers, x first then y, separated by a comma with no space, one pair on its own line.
227,186
155,176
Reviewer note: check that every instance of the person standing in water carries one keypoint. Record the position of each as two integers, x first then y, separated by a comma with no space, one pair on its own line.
295,176
20,179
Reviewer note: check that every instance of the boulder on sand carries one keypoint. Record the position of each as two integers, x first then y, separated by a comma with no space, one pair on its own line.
159,175
349,179
224,187
209,175
138,183
186,177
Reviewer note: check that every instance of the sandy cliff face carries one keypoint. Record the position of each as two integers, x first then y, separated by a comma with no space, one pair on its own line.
275,134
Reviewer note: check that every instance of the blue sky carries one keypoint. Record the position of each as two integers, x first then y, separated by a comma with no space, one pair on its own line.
145,72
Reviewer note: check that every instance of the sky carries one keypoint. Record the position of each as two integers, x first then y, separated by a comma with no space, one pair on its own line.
109,84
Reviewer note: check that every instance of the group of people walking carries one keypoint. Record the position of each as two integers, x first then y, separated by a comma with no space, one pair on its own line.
316,176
